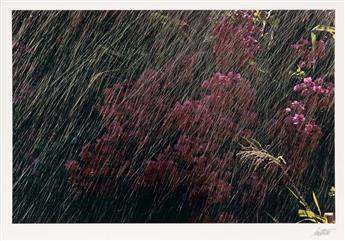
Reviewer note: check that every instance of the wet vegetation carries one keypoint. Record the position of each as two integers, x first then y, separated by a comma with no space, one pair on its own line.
173,116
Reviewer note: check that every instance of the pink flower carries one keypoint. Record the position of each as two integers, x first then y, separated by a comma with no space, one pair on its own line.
233,34
298,88
298,119
297,106
330,87
302,64
311,128
287,110
300,44
318,89
308,56
308,80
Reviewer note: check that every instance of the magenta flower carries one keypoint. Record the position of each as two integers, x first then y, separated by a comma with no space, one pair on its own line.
310,87
297,106
306,55
233,34
298,119
287,110
308,80
311,128
298,88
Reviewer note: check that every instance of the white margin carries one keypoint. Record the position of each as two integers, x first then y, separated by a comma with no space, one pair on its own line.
161,231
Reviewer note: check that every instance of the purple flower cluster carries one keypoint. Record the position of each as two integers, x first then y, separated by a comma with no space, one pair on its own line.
295,114
309,87
128,116
295,126
236,40
195,162
223,113
306,55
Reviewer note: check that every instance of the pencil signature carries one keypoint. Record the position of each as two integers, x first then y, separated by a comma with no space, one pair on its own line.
323,231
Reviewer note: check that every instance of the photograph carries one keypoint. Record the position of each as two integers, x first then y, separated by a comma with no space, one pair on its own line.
173,116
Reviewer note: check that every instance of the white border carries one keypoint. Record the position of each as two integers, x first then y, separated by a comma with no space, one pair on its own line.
162,231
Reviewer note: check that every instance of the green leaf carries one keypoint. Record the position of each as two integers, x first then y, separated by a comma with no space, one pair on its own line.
306,214
317,203
299,73
321,28
313,40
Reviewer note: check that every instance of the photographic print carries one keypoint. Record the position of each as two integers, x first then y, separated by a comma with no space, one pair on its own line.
173,116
